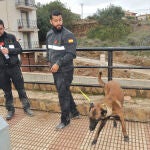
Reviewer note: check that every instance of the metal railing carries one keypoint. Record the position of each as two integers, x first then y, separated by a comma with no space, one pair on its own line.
26,23
30,3
110,66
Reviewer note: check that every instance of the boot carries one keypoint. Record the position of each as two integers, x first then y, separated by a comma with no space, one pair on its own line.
62,125
28,111
10,114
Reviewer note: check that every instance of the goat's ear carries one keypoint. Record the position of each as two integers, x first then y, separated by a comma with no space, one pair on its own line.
91,106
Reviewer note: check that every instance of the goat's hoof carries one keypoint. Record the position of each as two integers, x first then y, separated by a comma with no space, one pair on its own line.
94,142
115,125
126,138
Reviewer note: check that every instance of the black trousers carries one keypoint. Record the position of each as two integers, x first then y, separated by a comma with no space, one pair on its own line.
7,76
63,81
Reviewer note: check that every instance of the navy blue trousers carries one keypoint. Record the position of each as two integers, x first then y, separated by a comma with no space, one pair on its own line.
62,82
9,75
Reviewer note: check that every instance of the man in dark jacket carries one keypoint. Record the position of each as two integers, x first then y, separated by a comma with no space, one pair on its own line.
61,50
10,72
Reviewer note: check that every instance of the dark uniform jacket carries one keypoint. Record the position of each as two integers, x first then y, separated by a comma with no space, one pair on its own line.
14,49
61,48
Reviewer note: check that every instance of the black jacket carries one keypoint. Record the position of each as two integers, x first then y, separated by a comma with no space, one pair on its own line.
61,48
14,49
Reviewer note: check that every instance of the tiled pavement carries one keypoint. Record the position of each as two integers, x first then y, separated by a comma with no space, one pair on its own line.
38,133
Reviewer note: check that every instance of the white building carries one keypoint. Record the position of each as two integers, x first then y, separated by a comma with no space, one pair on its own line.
20,19
144,17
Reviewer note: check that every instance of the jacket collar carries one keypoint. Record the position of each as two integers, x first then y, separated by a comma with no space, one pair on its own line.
4,35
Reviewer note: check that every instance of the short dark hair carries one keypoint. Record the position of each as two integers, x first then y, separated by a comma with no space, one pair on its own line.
55,13
1,22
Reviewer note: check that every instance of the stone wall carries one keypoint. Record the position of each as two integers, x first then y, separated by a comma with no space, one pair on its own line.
135,109
89,90
81,27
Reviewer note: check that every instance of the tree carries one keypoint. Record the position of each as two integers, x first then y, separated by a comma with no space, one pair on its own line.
43,17
112,26
110,15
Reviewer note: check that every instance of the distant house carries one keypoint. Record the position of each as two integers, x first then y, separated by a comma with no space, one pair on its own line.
130,14
144,17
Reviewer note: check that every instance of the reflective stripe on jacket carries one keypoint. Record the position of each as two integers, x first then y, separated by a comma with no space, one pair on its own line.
61,48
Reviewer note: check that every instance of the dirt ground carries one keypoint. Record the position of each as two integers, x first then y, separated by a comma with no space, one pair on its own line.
119,57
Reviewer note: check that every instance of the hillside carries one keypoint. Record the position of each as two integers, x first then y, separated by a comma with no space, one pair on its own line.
140,36
141,58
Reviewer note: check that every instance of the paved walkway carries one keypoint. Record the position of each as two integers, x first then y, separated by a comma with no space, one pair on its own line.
38,133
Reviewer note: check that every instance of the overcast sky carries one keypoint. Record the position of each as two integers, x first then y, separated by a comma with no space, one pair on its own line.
90,6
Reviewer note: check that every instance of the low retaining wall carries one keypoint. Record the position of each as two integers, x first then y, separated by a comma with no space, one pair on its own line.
44,96
47,78
135,109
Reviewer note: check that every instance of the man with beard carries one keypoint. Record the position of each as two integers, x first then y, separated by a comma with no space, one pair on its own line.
61,50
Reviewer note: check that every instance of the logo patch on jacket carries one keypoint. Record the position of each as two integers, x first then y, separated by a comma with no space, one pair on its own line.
10,41
70,40
55,42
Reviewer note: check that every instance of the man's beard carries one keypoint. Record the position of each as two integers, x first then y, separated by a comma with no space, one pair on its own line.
59,27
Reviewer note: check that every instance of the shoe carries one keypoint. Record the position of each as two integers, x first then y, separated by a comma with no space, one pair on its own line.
10,114
29,112
74,116
61,126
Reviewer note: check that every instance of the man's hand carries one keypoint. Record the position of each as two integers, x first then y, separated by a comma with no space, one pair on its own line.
54,68
4,50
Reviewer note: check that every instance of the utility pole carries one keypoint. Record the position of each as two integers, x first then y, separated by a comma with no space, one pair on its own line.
81,10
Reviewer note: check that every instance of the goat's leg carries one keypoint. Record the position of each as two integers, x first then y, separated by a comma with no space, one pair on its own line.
126,137
103,122
114,122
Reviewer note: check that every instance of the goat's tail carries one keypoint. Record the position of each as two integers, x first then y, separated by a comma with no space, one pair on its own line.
101,82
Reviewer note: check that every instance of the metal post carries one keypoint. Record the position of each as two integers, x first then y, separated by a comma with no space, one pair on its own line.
81,10
110,63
